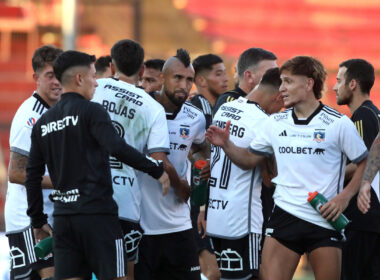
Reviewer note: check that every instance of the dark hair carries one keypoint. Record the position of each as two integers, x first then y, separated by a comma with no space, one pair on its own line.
155,64
102,63
252,57
309,67
271,78
205,62
128,56
69,59
183,56
360,70
44,55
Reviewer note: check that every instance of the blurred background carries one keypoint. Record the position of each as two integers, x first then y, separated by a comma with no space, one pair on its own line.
331,31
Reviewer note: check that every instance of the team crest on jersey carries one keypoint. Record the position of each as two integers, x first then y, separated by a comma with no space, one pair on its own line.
184,132
31,122
319,136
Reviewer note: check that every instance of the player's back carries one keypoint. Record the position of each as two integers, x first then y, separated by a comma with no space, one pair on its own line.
140,120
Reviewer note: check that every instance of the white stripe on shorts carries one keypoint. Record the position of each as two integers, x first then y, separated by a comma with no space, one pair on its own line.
119,258
254,250
28,238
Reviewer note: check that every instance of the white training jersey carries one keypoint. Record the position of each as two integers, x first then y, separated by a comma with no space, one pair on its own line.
311,156
234,207
16,204
167,214
141,121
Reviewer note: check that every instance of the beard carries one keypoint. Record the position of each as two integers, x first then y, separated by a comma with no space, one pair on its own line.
178,101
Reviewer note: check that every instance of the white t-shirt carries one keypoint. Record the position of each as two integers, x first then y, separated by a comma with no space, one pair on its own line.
235,208
141,121
16,204
167,214
311,156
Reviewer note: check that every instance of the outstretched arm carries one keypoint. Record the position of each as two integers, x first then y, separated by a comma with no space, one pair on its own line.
242,157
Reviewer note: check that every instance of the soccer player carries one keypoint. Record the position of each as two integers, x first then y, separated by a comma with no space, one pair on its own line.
152,77
234,217
360,258
75,139
24,263
211,81
141,121
311,142
251,66
103,67
167,249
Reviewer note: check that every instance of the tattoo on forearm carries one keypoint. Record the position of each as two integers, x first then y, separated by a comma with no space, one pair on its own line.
18,162
373,162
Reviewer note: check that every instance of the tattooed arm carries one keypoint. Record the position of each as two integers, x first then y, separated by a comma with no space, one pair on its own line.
17,171
371,169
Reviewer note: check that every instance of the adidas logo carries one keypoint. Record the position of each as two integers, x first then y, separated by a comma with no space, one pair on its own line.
283,133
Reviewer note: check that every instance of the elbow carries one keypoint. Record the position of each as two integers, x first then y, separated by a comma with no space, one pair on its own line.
16,177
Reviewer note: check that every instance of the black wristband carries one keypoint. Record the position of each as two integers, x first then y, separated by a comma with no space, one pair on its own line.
38,222
158,170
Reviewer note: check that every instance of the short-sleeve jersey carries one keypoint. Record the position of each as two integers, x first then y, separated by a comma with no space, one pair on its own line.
234,207
311,156
366,119
140,120
167,214
204,105
16,203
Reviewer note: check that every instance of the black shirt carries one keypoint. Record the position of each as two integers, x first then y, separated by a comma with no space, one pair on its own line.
227,97
75,138
366,119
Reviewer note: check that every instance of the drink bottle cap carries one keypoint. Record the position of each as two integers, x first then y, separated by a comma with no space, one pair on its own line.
199,164
312,195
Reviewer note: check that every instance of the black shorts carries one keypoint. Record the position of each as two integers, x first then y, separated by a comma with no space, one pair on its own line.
298,235
168,256
132,236
24,262
238,258
88,243
361,256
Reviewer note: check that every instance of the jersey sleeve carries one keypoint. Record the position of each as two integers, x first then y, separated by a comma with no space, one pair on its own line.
34,171
262,144
367,124
350,141
201,133
103,131
158,140
20,142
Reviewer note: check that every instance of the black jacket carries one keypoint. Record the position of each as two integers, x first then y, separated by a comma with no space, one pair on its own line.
74,139
227,97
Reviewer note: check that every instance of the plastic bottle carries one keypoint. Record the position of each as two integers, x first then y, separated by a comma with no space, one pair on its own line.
198,186
317,200
44,247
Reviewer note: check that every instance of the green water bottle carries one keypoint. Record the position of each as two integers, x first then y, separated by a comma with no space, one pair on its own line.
198,186
317,200
44,247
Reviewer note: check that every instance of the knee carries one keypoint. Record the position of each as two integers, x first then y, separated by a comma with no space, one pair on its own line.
213,273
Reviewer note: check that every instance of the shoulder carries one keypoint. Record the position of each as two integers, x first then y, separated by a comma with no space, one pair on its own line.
281,116
366,113
193,112
332,112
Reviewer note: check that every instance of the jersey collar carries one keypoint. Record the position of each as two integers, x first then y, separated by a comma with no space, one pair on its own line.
39,98
172,116
307,121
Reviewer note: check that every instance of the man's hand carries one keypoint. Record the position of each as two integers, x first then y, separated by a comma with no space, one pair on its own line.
183,191
332,209
201,223
205,171
43,232
165,182
364,197
217,136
